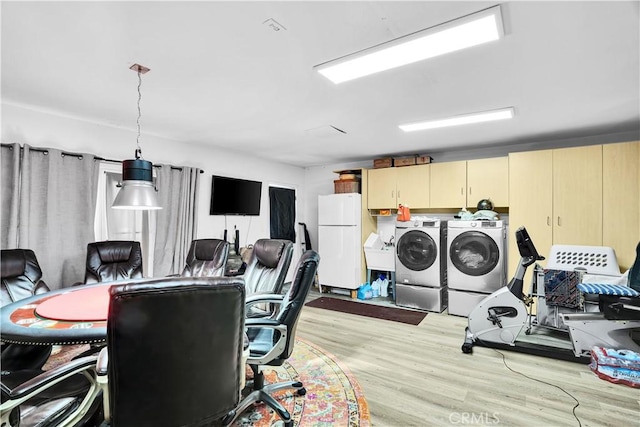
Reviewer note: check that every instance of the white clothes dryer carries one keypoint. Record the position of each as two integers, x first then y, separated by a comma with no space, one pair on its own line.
476,255
418,252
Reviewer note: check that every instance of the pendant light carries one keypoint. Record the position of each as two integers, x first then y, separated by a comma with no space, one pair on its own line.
137,190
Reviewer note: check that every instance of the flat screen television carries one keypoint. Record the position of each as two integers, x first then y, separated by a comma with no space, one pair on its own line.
232,196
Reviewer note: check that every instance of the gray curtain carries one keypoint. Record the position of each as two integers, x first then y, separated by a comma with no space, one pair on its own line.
176,221
57,209
10,156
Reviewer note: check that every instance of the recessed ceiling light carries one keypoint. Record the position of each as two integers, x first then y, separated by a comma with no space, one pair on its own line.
465,119
471,30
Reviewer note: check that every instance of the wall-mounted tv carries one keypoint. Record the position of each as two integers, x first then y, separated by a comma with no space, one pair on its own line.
232,196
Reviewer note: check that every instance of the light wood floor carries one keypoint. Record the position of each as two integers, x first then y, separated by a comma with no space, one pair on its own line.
418,376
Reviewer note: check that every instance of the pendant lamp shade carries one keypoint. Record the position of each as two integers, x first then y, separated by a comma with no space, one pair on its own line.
138,191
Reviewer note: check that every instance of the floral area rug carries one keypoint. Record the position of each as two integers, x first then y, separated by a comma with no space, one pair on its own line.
334,397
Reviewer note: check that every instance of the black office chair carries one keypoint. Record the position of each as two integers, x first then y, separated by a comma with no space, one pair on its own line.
158,370
619,308
183,369
21,278
68,392
268,266
266,271
113,260
206,257
271,340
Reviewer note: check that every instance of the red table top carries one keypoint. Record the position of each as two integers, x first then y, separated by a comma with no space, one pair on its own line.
82,305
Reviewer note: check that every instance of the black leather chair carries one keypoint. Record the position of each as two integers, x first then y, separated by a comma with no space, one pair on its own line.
113,260
268,266
618,308
266,271
157,370
183,369
271,340
206,257
21,278
48,398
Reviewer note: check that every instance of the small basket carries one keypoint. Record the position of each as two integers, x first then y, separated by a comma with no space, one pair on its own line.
346,186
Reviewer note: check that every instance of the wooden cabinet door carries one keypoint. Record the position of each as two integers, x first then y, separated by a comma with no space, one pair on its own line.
530,203
413,186
488,179
577,196
448,185
382,188
621,200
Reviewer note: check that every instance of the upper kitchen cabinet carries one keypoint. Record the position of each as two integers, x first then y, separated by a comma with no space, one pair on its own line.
448,185
488,179
407,185
381,188
412,186
465,183
621,200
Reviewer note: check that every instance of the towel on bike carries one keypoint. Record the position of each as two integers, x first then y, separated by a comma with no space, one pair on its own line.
560,288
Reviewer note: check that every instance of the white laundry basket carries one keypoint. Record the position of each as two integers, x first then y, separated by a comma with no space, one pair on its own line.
595,259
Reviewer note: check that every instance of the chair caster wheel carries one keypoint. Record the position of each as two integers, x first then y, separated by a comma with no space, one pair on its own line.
228,418
302,391
467,348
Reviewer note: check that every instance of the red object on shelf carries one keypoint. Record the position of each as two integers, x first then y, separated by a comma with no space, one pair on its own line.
404,214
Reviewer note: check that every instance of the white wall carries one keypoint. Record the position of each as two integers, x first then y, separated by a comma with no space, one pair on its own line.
25,125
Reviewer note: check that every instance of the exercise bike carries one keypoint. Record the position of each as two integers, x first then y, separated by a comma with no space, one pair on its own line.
500,319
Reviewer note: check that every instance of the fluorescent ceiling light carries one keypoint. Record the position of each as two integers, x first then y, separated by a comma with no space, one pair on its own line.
471,30
487,116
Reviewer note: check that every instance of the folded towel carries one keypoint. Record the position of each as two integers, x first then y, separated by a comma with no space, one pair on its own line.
606,289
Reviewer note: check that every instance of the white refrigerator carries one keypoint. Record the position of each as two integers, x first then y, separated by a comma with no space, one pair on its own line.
339,240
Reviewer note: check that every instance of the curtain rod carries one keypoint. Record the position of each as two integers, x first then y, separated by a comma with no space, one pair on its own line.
45,151
80,156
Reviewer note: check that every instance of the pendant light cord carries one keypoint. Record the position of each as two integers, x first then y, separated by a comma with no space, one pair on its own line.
138,149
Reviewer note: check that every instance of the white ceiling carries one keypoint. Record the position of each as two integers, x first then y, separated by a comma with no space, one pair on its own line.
221,76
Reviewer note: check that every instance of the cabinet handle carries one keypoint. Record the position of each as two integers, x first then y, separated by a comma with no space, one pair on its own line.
392,194
548,220
558,221
462,191
398,194
469,190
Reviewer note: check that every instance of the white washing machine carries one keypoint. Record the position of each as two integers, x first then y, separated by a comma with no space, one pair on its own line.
476,262
420,265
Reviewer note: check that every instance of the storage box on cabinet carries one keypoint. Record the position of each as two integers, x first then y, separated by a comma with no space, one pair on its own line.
386,162
404,161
